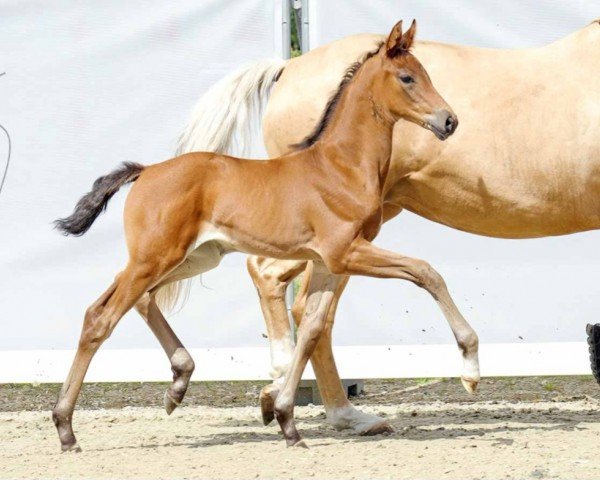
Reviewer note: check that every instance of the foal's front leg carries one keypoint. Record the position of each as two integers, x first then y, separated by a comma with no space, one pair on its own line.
271,278
100,320
364,258
320,296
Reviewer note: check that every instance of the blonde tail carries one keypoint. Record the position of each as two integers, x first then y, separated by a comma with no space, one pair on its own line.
171,294
225,116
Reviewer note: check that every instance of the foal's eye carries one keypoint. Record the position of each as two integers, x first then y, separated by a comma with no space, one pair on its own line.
407,79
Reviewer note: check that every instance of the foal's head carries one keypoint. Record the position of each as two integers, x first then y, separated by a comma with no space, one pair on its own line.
404,87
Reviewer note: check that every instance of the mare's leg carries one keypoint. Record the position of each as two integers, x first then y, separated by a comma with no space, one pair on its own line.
340,412
364,258
100,320
320,296
271,278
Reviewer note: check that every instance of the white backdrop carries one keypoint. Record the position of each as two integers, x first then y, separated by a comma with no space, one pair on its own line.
485,23
90,85
87,86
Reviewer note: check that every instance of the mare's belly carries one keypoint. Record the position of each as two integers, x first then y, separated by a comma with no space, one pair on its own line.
502,203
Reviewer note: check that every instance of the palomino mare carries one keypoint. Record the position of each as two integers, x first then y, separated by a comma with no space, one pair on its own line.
321,203
535,174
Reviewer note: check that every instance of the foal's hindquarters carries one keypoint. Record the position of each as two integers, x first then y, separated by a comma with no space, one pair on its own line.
173,225
176,218
168,251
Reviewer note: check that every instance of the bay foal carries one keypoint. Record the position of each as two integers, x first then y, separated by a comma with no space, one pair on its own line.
321,203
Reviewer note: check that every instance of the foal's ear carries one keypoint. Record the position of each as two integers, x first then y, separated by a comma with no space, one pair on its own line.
409,36
397,42
393,40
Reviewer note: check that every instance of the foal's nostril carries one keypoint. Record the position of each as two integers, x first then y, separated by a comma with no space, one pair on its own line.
450,124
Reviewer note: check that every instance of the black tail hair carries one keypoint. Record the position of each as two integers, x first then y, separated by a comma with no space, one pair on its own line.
94,203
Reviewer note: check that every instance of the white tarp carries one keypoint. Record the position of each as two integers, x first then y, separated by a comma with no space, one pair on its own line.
489,23
91,84
542,290
87,86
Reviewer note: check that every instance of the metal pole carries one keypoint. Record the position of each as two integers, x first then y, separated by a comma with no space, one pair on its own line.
305,34
289,301
285,29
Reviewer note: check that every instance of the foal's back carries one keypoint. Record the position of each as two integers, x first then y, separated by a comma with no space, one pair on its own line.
196,197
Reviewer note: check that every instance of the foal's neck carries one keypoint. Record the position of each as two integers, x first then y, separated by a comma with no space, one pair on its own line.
359,133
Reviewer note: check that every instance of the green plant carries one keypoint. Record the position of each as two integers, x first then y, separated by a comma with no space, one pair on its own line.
296,49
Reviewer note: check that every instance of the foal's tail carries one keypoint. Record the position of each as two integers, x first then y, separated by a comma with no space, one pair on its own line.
94,203
226,114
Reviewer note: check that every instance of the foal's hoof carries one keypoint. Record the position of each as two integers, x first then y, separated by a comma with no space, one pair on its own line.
300,444
267,404
170,403
469,384
74,448
382,428
266,410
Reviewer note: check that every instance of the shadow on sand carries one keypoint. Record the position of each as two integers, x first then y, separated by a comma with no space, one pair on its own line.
474,423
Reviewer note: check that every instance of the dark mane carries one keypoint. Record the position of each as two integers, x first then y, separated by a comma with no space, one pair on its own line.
333,101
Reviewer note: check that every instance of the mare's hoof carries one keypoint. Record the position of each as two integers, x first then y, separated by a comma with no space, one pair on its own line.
381,428
170,403
469,384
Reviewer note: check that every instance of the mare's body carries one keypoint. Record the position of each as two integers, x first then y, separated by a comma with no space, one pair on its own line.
525,162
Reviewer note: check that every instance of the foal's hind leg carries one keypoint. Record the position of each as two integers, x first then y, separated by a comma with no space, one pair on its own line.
100,320
182,364
202,259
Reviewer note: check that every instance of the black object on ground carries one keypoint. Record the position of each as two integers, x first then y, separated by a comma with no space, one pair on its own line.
593,339
308,391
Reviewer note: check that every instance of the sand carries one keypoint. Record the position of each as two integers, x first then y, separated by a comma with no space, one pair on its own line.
432,440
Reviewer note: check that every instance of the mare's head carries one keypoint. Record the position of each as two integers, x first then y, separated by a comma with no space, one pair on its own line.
404,88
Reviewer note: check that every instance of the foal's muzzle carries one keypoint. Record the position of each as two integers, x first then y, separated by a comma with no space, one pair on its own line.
443,124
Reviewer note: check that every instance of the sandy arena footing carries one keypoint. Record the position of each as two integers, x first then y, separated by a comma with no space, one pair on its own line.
433,440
